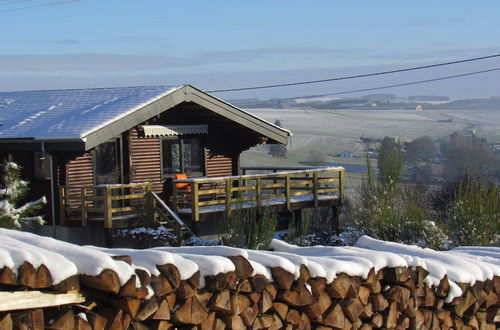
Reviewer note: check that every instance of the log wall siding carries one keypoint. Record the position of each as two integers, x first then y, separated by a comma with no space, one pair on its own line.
218,157
79,172
145,160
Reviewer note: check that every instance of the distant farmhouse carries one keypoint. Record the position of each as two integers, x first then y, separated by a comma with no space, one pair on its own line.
344,154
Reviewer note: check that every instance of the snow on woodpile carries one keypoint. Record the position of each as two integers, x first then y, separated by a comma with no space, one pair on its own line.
461,265
86,261
459,268
375,283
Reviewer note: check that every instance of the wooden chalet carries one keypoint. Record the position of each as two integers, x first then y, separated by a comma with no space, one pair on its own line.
97,154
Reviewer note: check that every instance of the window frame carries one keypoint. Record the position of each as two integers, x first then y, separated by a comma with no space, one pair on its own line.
182,169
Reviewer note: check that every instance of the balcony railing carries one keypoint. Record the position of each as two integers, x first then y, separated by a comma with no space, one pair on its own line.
283,188
102,202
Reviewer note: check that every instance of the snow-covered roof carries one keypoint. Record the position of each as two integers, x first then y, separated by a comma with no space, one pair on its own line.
96,115
71,113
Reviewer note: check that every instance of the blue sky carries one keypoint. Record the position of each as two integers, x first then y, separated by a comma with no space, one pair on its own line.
223,44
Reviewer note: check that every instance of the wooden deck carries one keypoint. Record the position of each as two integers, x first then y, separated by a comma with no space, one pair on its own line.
284,189
116,205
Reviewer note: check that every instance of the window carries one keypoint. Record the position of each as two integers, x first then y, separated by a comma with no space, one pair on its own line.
181,155
105,160
106,163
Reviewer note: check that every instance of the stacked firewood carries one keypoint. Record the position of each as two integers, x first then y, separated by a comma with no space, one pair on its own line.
391,298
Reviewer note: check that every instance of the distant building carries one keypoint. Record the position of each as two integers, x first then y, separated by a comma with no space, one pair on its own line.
470,131
344,154
495,147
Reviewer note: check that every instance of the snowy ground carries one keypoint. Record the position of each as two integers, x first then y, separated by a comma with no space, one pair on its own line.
334,131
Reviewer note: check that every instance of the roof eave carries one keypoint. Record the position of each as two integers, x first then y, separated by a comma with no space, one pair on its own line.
132,119
238,115
186,93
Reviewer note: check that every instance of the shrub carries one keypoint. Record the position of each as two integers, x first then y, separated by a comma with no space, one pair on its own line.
472,214
387,210
299,228
248,228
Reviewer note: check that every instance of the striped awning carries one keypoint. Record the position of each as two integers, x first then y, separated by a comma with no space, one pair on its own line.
172,130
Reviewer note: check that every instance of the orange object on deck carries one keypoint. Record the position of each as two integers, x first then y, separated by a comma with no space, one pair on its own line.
182,185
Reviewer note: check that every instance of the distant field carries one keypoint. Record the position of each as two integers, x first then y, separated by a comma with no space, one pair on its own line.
332,131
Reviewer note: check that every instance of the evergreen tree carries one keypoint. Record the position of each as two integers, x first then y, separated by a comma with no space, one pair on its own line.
12,191
390,163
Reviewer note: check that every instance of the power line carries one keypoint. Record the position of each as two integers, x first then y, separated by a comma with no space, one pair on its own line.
355,76
379,87
27,6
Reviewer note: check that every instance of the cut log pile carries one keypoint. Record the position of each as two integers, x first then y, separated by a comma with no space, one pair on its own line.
244,294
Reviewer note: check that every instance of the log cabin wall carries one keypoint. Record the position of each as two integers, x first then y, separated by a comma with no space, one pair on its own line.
218,160
79,171
145,160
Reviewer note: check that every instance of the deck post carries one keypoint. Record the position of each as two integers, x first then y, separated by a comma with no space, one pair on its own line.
297,216
83,206
336,219
315,189
288,190
62,208
108,208
195,208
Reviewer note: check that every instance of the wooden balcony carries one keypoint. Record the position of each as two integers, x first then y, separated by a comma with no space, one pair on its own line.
118,205
284,188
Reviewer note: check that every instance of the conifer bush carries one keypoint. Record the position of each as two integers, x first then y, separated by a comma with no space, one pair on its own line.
472,215
12,192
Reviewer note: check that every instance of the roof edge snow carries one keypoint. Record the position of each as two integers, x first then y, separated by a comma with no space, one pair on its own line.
169,100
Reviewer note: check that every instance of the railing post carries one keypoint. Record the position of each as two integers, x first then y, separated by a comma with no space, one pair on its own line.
288,190
108,208
83,206
62,207
228,197
195,208
315,189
